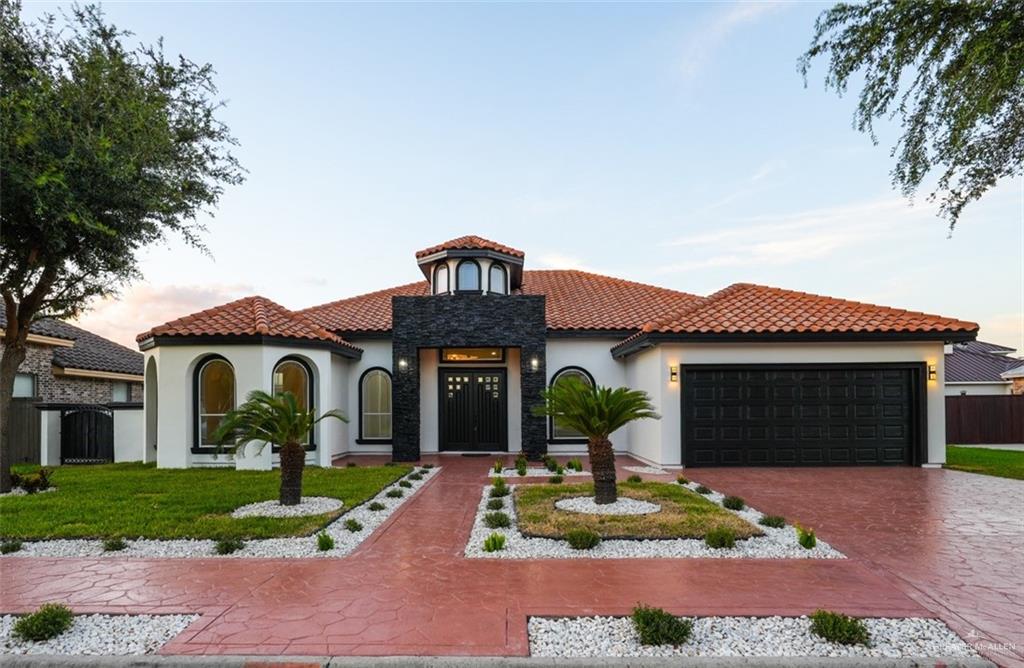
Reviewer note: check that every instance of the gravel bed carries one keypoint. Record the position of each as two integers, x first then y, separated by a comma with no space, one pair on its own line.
103,635
536,472
19,491
302,546
623,506
742,636
310,505
774,544
654,470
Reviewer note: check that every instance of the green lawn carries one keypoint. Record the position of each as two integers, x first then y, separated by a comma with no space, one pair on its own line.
139,500
684,514
988,461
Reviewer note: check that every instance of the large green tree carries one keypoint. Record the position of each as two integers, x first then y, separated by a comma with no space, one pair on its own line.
951,73
105,149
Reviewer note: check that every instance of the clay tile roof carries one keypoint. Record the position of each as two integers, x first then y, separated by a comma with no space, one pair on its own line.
747,308
470,242
576,300
250,316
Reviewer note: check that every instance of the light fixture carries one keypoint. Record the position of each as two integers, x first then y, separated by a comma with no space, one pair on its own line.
403,364
534,363
673,373
933,372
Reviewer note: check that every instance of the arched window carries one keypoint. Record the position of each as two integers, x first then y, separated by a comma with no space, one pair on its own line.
441,279
498,279
468,275
292,375
375,405
215,396
560,432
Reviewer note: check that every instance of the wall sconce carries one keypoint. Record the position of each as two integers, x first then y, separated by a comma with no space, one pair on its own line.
673,374
933,372
403,364
534,364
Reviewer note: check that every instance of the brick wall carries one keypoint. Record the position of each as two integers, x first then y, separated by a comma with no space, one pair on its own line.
63,389
1018,386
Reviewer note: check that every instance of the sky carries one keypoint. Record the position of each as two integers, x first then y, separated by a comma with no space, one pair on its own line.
668,143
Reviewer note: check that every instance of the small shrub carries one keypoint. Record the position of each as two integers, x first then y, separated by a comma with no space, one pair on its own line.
428,466
805,536
114,545
575,465
415,476
555,479
720,537
495,504
522,461
634,478
494,543
703,490
734,503
839,628
497,520
36,482
351,465
394,493
376,505
551,464
15,480
353,525
657,627
404,483
559,470
324,541
682,480
582,538
773,521
499,488
521,470
228,545
499,466
9,546
49,621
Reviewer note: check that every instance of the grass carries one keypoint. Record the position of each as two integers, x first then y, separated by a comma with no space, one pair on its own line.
987,461
139,500
684,514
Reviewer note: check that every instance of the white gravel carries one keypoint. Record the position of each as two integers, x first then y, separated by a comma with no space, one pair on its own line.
622,506
103,635
536,472
310,505
645,469
345,541
774,544
19,491
742,636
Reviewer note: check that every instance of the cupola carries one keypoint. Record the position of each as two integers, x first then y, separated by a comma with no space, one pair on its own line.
472,265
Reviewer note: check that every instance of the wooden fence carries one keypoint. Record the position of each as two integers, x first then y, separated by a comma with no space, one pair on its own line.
24,428
985,419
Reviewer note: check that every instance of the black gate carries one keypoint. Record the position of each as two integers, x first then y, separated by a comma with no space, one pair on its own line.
86,435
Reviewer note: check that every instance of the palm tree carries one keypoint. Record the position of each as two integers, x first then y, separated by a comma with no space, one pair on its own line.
596,412
277,420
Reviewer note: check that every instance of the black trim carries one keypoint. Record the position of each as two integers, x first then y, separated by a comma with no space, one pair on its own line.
570,440
310,392
500,267
124,405
247,339
442,360
918,391
458,278
433,283
197,447
378,441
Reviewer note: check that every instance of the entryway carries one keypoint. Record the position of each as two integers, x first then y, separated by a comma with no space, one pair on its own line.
473,409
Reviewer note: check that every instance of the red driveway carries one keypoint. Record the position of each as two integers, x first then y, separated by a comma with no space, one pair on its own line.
923,543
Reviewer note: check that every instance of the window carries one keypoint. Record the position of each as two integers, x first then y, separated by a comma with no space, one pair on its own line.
215,396
441,279
375,405
498,282
119,392
581,374
292,375
472,354
24,385
468,275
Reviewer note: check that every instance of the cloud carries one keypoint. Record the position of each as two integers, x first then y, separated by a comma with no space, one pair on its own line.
702,43
121,318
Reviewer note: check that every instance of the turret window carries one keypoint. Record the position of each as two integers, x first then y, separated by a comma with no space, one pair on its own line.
498,279
441,279
468,275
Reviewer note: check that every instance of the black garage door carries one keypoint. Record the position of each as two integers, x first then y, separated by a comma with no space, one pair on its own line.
798,415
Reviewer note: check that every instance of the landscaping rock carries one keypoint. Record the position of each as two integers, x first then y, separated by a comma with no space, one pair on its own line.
310,505
103,635
624,506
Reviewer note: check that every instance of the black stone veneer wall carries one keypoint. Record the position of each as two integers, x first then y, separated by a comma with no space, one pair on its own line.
511,321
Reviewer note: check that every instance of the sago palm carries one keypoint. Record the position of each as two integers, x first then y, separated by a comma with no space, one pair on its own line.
596,412
280,421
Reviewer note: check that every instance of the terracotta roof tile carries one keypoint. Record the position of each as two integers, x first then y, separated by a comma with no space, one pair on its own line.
470,242
743,308
250,316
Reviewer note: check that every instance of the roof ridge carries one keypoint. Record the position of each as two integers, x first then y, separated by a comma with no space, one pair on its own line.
359,296
612,278
259,314
690,309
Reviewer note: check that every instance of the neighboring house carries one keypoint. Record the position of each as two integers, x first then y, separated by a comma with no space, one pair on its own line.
1016,377
977,368
750,375
67,364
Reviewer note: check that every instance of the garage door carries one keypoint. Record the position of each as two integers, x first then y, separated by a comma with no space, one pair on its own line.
799,415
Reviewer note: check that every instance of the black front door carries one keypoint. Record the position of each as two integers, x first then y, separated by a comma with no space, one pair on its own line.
474,410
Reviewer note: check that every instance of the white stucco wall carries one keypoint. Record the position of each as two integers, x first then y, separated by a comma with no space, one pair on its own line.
977,389
129,437
593,355
376,353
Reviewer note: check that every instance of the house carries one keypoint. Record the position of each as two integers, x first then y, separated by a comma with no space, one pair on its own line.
977,368
750,375
1016,378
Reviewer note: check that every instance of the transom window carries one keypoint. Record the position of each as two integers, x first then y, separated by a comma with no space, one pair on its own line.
574,372
215,396
498,279
375,405
472,354
468,276
291,375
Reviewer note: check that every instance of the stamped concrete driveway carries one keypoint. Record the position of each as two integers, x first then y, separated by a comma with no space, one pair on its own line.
952,541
